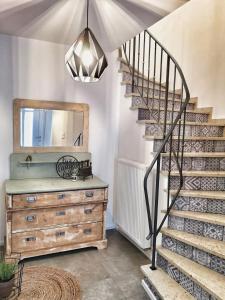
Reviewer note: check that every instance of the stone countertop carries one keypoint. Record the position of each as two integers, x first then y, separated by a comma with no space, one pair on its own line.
24,186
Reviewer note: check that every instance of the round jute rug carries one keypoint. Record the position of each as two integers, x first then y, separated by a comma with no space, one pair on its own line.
46,283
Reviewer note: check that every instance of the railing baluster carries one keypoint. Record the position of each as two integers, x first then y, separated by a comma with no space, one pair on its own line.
133,73
139,43
143,66
149,64
154,73
160,85
166,95
129,51
154,239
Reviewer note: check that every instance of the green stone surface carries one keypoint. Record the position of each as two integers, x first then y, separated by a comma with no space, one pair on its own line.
39,185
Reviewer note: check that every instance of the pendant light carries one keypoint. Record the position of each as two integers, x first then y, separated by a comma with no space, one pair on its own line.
86,60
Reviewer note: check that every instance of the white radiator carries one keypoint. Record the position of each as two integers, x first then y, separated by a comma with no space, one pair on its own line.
131,216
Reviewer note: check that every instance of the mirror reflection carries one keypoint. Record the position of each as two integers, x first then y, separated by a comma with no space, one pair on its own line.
51,128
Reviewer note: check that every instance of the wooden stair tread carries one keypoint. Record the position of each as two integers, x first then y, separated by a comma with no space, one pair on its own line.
211,281
149,122
220,195
206,244
187,138
217,219
199,154
194,111
197,173
191,101
167,288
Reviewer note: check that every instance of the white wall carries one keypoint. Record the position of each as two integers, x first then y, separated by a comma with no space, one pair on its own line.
32,69
195,35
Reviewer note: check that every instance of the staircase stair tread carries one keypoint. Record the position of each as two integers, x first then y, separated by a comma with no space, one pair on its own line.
206,244
166,287
217,195
186,138
199,154
127,82
187,123
209,280
194,111
191,101
197,173
217,219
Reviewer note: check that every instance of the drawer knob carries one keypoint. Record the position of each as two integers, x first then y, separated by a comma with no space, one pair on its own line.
88,211
60,233
31,199
61,196
87,231
60,213
30,239
89,194
30,218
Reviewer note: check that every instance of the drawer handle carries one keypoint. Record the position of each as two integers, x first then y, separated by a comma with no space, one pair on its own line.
89,194
31,199
88,211
87,231
60,233
30,239
61,196
60,213
30,218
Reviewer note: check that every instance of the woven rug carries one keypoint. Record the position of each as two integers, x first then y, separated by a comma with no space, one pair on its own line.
46,283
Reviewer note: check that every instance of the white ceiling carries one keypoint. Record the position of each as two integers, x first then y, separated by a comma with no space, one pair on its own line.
61,21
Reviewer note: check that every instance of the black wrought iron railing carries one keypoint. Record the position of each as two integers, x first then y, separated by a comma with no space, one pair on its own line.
157,80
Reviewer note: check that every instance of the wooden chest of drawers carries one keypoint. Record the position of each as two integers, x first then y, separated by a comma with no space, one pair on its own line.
50,222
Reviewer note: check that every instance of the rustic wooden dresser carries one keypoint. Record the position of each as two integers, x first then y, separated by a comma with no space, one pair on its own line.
49,215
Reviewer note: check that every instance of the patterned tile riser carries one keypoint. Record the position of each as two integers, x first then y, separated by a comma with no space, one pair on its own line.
199,183
190,130
186,282
138,81
145,114
200,205
216,232
194,146
206,259
155,103
148,92
196,163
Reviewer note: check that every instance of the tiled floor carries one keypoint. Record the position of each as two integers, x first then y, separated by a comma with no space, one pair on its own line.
113,273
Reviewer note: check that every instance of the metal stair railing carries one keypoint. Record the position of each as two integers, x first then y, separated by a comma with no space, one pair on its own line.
149,64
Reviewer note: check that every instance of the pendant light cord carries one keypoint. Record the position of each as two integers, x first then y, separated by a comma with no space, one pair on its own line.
87,11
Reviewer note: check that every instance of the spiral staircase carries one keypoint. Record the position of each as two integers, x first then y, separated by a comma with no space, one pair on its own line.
189,151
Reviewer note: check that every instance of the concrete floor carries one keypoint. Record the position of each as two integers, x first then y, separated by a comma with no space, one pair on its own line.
113,273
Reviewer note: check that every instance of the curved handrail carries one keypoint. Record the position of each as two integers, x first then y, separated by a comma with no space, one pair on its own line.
154,230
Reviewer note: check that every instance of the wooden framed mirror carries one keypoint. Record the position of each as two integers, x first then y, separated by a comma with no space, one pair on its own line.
50,126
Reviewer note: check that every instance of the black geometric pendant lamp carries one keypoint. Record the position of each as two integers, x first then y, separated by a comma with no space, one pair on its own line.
86,60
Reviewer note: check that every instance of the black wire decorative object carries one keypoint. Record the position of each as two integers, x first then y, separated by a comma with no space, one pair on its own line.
15,258
68,167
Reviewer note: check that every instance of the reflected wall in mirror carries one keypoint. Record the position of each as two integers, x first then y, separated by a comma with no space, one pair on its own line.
51,128
47,126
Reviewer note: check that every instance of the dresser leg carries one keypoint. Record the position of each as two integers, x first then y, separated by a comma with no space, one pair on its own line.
102,244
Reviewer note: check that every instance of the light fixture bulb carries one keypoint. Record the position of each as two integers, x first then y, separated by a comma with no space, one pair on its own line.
87,58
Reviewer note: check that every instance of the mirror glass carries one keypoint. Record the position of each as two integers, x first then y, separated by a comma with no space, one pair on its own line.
51,128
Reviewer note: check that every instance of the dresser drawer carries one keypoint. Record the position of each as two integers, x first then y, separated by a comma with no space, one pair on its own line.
57,198
60,236
39,218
